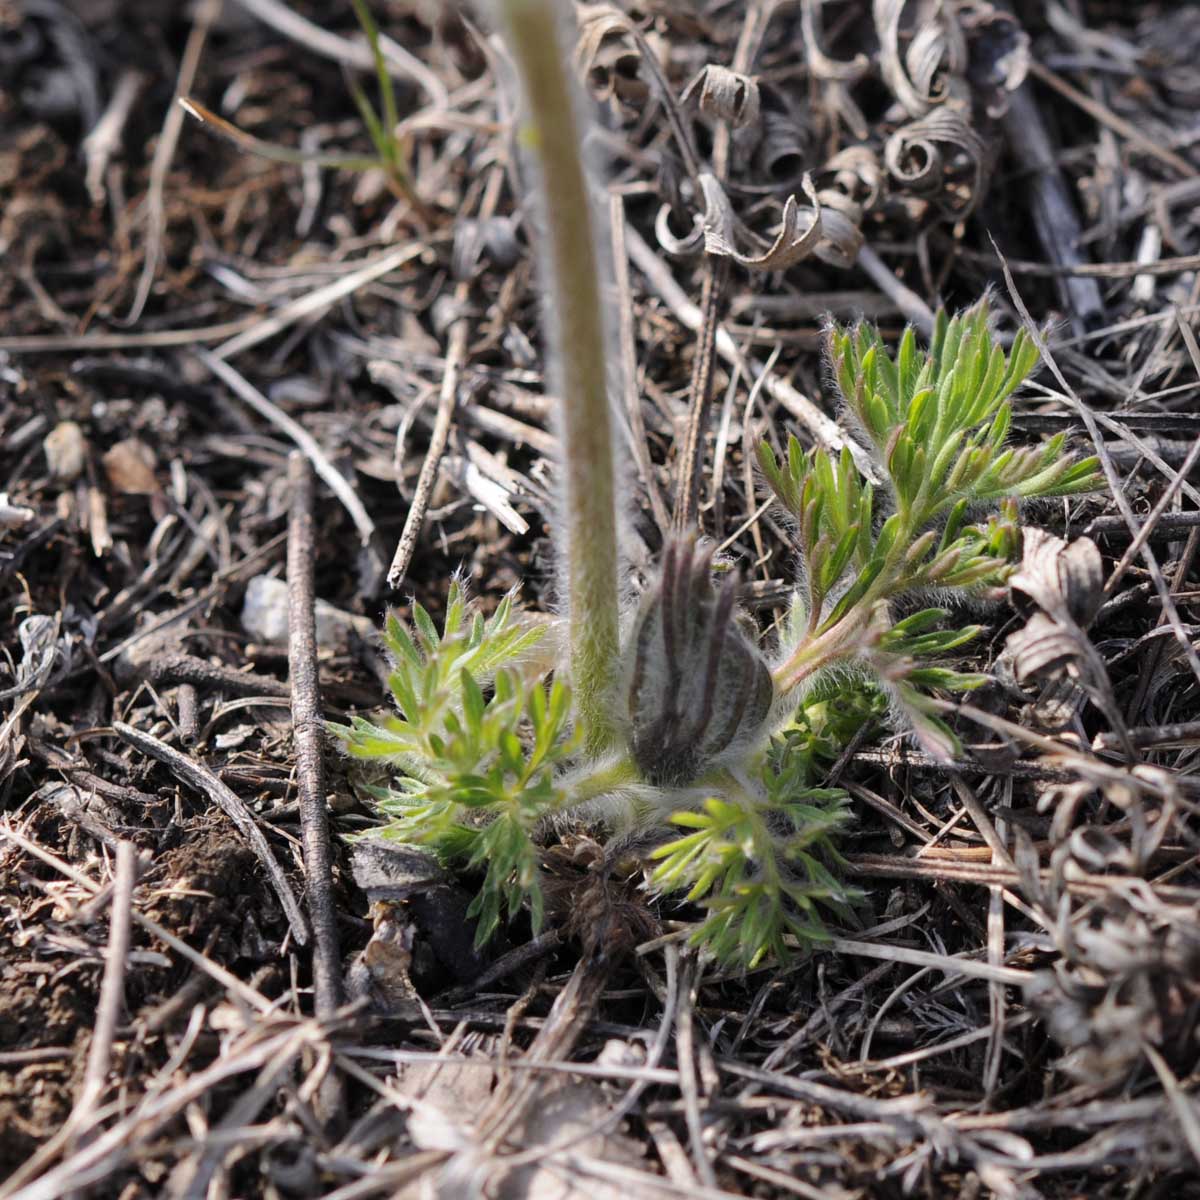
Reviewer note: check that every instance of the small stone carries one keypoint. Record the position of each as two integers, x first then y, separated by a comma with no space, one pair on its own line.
265,617
66,451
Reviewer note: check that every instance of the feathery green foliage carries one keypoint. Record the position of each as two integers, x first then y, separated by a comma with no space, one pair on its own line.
761,857
683,722
723,749
937,422
478,769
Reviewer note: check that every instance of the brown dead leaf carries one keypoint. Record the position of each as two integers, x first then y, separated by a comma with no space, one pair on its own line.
724,95
936,55
828,234
129,466
1064,580
941,156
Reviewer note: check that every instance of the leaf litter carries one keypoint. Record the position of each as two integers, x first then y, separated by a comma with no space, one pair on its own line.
1046,1043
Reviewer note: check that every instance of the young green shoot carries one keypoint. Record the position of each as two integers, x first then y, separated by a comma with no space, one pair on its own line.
937,422
670,727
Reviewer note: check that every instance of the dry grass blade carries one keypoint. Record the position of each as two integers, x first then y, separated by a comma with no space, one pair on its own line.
164,151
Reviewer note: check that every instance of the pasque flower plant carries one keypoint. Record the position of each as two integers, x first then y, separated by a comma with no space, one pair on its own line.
673,721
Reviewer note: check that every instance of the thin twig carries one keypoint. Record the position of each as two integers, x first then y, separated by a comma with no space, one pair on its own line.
187,714
1110,474
633,401
155,339
712,296
291,24
1111,270
1054,214
104,138
688,1086
948,964
164,152
312,304
822,427
691,457
108,1010
915,310
447,399
1106,116
310,768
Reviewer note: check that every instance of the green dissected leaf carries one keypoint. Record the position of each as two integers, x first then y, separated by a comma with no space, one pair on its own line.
946,679
473,702
780,478
478,746
509,856
933,734
940,641
920,405
753,859
482,748
399,643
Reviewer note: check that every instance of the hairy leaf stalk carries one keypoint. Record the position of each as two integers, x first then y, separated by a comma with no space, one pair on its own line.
576,355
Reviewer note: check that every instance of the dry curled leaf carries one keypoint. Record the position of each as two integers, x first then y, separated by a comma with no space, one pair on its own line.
819,63
724,95
852,182
1043,647
803,231
41,650
1063,579
609,62
480,243
598,24
941,156
689,244
722,230
834,78
998,55
931,69
787,143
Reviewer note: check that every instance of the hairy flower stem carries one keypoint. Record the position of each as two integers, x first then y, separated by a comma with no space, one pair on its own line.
576,355
815,653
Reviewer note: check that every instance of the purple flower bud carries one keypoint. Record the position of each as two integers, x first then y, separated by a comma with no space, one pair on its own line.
699,684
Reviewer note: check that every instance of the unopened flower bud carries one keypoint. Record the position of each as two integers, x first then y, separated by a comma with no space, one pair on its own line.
699,684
